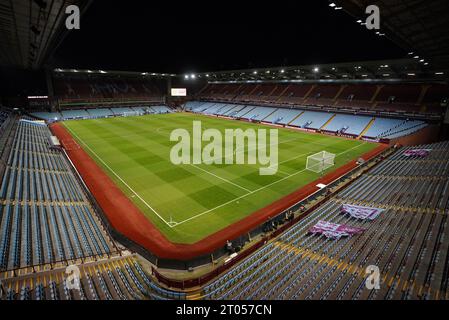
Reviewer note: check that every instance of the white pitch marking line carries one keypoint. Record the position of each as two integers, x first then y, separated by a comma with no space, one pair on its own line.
226,180
300,156
123,181
257,190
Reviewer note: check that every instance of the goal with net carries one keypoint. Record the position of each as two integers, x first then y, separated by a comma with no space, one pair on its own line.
320,161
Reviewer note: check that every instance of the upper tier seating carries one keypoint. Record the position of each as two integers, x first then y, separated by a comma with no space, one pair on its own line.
418,98
323,94
86,87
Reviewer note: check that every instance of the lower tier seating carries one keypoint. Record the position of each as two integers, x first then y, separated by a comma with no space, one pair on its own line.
407,242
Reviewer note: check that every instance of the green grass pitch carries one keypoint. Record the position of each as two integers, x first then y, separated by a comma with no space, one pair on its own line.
189,202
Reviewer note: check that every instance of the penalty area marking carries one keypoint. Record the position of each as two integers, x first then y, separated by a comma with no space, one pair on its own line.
123,181
172,223
257,190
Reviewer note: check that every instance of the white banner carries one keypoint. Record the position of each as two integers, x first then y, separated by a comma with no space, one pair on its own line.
417,152
360,212
333,230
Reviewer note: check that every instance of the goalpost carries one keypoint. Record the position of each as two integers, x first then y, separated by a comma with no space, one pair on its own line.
320,161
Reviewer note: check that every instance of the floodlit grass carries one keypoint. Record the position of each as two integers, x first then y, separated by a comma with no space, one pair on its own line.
190,202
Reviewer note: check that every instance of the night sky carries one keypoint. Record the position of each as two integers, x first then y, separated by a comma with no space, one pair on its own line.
198,36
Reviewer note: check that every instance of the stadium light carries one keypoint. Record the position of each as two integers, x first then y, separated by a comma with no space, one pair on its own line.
332,5
416,57
422,60
411,74
439,73
316,69
186,77
282,71
255,72
192,76
207,75
359,21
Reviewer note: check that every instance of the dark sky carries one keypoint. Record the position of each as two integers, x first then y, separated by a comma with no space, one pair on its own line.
197,36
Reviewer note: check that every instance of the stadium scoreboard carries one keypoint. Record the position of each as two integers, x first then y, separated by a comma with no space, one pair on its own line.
178,92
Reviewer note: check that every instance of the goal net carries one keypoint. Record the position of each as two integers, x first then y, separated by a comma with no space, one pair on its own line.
320,161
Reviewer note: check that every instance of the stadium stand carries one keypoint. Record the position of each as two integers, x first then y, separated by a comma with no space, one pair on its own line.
283,116
405,241
3,117
258,113
47,223
412,98
347,124
70,87
97,113
45,217
312,119
119,278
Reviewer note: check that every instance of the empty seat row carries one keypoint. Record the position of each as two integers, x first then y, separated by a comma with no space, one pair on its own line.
404,242
45,216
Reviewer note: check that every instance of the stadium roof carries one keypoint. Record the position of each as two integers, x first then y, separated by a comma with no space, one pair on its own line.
112,73
419,26
409,69
31,30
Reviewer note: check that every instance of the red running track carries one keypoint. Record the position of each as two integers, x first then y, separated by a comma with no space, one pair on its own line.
129,221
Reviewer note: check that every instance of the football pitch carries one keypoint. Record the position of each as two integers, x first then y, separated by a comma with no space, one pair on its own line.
191,201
